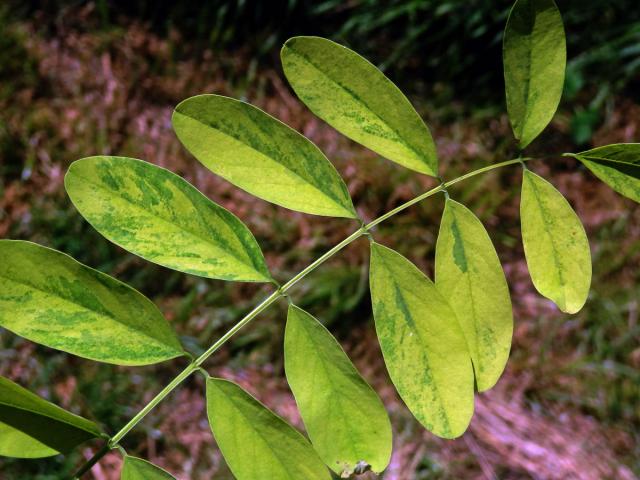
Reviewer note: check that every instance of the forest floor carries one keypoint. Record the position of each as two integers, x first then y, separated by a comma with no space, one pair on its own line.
568,404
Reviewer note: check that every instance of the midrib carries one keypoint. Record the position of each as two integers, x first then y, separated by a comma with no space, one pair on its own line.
271,160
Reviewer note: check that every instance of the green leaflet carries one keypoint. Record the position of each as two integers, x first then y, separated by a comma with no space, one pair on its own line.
347,423
49,298
534,57
261,155
31,427
617,165
254,441
159,216
138,469
470,277
357,99
422,343
555,244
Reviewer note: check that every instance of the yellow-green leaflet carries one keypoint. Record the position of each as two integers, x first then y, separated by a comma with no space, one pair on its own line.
422,343
347,423
138,469
261,155
31,427
358,100
617,165
159,216
555,244
534,57
470,277
49,298
255,442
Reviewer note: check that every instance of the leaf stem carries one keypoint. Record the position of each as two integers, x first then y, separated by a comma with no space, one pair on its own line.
355,235
280,292
113,443
92,461
440,188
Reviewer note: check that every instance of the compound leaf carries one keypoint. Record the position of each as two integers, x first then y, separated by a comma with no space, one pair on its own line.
261,155
347,423
50,298
357,99
422,343
159,216
555,244
470,277
534,58
138,469
31,427
255,442
617,165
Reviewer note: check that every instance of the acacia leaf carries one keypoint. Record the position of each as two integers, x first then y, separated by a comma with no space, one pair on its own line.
31,427
534,58
138,469
159,216
255,442
617,165
347,423
555,244
358,100
469,275
49,298
261,155
422,343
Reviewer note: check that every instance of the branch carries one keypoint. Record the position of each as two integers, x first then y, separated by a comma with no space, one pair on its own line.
280,292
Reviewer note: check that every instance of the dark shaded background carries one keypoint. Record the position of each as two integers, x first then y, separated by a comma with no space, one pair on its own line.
83,78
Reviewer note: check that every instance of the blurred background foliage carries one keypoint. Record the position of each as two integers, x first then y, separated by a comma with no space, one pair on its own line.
451,45
79,78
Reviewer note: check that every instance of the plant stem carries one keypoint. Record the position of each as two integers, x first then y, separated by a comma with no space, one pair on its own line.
355,235
149,406
440,188
92,461
280,292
